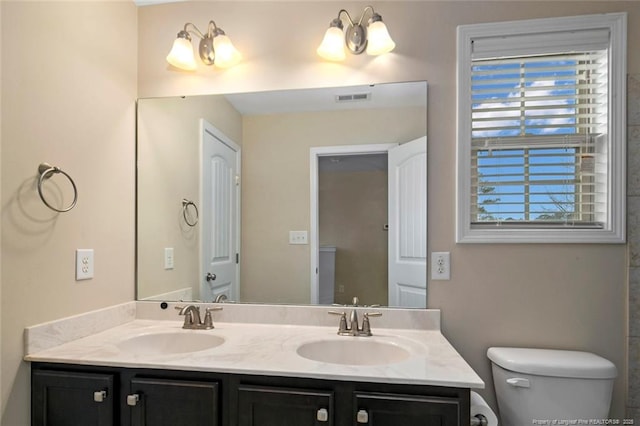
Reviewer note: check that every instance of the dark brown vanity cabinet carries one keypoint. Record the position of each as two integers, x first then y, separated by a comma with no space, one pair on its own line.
65,395
384,409
75,395
64,398
273,406
173,402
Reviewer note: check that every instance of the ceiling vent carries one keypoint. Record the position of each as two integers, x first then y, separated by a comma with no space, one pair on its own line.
354,97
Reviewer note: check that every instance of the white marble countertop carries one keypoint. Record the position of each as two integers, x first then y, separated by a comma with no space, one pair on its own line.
270,349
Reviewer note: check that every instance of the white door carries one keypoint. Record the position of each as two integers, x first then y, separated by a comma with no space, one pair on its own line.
408,224
220,215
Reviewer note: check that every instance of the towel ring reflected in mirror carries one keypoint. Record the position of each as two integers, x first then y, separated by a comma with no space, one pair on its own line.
185,207
46,171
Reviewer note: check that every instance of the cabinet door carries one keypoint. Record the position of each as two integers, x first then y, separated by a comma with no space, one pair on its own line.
270,406
381,409
163,402
61,398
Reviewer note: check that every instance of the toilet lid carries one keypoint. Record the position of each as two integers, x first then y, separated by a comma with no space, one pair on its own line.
551,362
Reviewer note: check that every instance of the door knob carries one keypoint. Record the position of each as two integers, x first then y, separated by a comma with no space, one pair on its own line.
210,277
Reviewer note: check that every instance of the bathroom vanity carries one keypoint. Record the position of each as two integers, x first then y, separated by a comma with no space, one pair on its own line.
150,371
127,396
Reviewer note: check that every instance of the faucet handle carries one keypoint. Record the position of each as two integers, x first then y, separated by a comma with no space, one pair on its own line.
342,328
366,325
208,320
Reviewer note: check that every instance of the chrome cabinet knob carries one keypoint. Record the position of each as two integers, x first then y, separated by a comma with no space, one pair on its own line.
132,400
210,277
322,415
99,396
362,416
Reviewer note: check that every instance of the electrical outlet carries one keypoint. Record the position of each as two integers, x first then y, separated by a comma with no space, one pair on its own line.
341,288
168,258
298,237
84,264
440,265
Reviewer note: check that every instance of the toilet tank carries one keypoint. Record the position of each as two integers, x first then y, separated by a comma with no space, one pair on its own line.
538,385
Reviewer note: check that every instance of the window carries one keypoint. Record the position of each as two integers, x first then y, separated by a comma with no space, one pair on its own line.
541,130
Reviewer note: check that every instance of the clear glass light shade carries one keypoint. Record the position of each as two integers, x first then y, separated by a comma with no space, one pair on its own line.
379,40
181,55
332,46
226,54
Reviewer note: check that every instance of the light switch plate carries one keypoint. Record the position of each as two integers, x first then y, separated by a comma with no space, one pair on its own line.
168,258
84,264
298,237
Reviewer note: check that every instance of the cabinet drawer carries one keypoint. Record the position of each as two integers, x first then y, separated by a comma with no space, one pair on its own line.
167,402
272,406
383,409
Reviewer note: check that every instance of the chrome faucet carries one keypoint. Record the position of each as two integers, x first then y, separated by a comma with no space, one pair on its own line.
192,319
353,329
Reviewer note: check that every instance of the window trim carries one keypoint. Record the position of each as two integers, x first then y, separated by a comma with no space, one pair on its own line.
614,230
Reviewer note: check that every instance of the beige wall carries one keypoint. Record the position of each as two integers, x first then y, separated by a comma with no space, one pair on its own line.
275,188
566,296
1,101
168,171
352,213
72,103
68,98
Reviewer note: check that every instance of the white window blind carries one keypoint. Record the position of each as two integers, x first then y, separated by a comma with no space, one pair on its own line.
541,130
539,139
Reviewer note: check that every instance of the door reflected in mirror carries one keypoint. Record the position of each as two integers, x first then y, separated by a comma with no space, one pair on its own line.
297,201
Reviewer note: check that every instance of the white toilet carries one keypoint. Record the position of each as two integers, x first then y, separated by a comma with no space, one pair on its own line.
536,385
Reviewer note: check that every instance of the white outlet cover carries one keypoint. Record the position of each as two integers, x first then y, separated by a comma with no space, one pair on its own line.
441,265
84,264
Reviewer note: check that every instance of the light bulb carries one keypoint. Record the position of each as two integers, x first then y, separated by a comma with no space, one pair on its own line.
379,40
226,54
181,54
332,46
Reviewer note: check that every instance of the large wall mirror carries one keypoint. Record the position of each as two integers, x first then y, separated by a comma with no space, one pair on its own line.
297,196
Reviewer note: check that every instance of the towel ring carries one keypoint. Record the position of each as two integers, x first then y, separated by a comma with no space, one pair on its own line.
185,206
46,171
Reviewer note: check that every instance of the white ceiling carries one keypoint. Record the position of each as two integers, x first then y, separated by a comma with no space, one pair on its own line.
388,95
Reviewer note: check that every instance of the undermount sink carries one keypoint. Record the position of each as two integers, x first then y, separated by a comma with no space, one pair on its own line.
353,352
169,343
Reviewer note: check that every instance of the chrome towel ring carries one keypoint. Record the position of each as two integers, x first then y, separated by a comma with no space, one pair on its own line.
185,206
45,171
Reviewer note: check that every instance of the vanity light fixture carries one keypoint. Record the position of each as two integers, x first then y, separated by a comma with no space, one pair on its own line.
374,37
215,48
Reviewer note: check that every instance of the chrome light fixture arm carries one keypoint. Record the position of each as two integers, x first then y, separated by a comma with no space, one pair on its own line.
356,35
205,48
